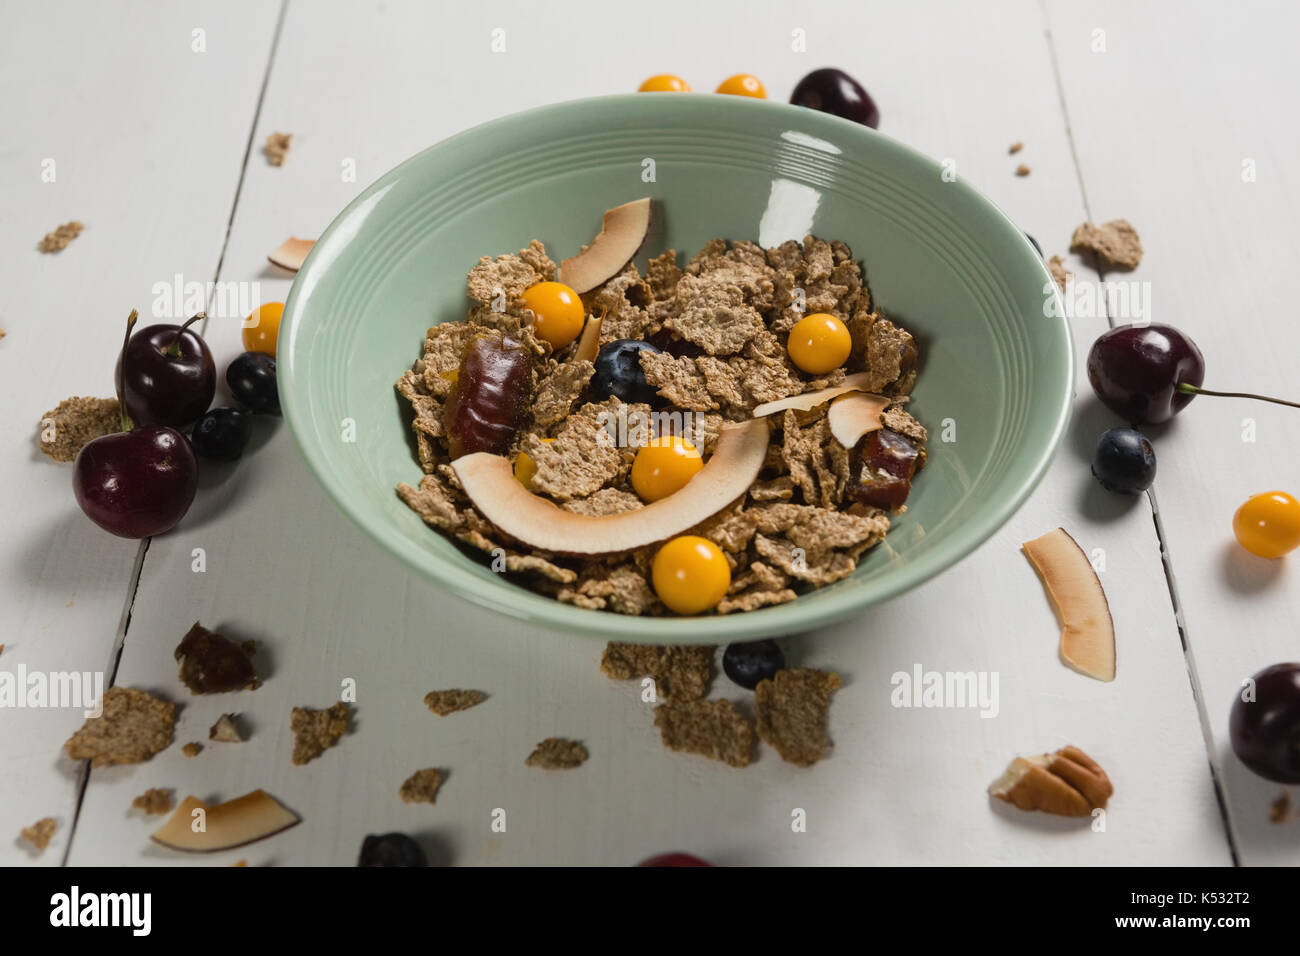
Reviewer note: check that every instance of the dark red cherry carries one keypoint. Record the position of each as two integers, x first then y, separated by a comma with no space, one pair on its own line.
167,375
1265,731
1136,370
834,91
137,483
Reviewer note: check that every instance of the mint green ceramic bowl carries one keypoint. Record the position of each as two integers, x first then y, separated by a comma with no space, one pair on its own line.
939,257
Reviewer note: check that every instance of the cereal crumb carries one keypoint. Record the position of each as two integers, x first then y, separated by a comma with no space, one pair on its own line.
1280,809
40,833
1114,243
153,801
680,672
58,240
556,753
76,421
1016,147
226,730
1023,170
192,749
792,710
421,786
277,147
315,731
710,728
133,727
444,702
1062,275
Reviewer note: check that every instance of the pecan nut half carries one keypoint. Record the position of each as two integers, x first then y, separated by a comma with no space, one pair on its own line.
1068,783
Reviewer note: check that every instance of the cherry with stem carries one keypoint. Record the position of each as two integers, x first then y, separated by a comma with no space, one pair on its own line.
1188,389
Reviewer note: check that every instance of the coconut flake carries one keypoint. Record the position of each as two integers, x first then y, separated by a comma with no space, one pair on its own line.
254,816
291,253
1087,630
852,416
856,382
489,482
622,233
589,343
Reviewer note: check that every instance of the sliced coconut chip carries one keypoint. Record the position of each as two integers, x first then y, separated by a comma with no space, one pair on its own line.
1087,630
621,236
856,382
852,416
254,816
589,343
291,253
491,485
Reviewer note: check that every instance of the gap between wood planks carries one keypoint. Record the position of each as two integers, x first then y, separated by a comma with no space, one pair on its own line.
1166,561
133,585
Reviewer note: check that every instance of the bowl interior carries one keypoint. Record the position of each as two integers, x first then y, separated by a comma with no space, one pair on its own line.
996,378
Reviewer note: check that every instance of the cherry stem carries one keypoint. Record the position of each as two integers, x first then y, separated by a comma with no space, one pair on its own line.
120,384
1187,389
174,350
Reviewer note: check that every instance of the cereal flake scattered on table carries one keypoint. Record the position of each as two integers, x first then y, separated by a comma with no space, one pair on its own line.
58,240
40,833
444,702
680,672
421,786
74,422
192,749
277,147
1115,243
134,726
556,753
154,801
1280,809
315,731
1062,275
710,728
792,710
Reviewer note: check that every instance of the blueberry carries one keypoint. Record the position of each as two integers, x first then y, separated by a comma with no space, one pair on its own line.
619,373
1124,461
391,849
1034,243
221,433
251,378
747,664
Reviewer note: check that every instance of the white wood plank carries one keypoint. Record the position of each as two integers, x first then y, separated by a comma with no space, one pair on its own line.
1164,120
146,137
904,786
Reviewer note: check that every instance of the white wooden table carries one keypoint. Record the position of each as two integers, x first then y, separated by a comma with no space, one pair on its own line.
153,116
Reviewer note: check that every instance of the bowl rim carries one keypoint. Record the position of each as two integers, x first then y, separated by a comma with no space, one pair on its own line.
521,603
